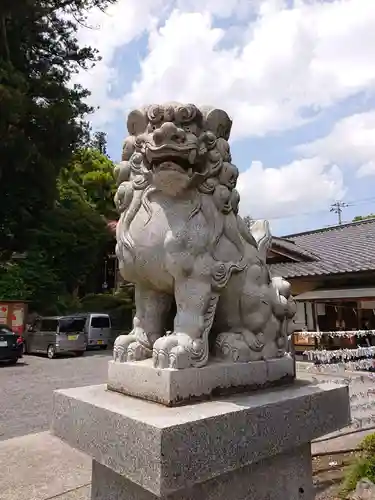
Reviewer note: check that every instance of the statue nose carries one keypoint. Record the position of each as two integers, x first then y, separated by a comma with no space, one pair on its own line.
168,132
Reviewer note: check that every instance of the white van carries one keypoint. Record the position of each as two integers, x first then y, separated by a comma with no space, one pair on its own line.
97,329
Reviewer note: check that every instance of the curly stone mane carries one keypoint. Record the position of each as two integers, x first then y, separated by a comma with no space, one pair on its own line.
211,173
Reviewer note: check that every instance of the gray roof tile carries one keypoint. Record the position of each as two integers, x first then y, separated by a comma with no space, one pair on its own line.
339,249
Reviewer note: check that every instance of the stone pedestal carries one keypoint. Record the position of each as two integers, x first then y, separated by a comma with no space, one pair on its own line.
243,447
172,387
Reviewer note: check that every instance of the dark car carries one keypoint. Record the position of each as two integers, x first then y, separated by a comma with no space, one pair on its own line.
11,345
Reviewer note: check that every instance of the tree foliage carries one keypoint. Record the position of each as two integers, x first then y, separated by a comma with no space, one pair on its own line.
99,142
31,279
64,250
41,112
119,306
89,176
73,238
362,467
363,217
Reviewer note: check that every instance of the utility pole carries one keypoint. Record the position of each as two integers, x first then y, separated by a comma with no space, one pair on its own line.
337,208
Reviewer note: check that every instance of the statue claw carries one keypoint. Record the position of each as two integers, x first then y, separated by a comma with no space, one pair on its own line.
177,351
138,352
179,358
128,348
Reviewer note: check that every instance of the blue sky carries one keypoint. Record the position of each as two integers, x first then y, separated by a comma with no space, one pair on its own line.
296,76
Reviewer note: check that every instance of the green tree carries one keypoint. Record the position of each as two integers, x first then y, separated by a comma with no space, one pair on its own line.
73,238
66,249
32,279
41,113
99,142
89,177
363,217
63,253
362,467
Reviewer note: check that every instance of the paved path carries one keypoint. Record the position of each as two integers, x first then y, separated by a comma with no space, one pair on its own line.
340,443
36,465
26,388
40,466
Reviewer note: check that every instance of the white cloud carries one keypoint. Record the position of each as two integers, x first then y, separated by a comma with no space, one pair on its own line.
303,186
221,8
310,56
286,59
108,31
267,64
367,169
351,142
120,24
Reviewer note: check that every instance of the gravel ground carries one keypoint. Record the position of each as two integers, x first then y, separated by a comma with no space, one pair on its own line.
328,474
26,388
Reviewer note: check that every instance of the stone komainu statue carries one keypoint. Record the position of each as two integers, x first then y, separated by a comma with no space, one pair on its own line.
182,243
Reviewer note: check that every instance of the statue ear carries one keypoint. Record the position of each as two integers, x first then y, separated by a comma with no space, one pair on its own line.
218,122
137,122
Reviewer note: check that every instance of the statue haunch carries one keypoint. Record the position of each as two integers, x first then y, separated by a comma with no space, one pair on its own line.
182,243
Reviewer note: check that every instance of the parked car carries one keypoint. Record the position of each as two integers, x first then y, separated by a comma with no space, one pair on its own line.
57,335
11,345
97,329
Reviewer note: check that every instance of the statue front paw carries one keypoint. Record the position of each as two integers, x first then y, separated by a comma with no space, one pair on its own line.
120,347
179,351
128,348
138,352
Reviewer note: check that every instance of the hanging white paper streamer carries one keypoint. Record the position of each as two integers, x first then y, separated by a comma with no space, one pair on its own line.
338,333
360,364
325,356
363,406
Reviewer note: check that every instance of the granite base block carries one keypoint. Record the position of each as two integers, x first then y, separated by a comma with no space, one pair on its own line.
290,480
200,447
173,387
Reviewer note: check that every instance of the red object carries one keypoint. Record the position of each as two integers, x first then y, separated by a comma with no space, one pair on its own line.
19,340
112,224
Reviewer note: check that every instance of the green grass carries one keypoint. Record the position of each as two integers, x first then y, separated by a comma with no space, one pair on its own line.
364,466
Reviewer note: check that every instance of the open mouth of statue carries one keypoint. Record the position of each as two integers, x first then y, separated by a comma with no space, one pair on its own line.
167,158
172,163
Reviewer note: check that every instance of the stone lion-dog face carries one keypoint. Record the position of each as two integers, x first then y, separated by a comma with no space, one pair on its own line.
176,146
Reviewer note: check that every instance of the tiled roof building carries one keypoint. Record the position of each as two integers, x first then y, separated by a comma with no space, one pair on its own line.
348,248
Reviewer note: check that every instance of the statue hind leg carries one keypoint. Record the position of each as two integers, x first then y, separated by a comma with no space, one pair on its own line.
152,308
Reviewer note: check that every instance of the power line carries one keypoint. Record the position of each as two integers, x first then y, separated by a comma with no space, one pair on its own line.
320,211
337,209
